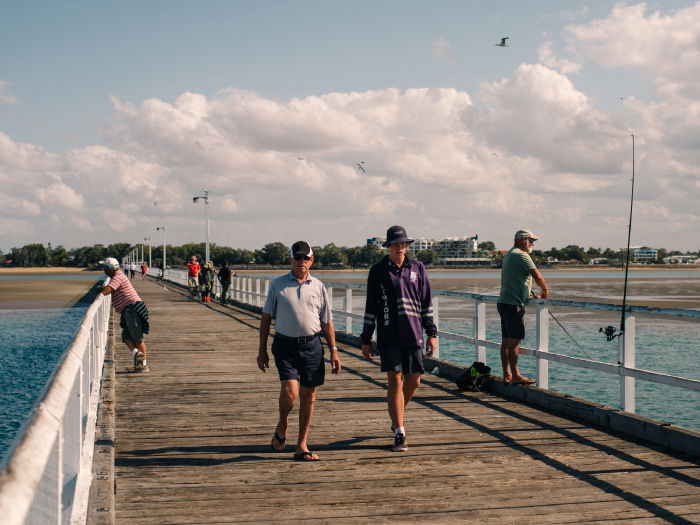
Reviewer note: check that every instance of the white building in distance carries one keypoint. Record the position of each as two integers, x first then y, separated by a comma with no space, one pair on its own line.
449,249
640,254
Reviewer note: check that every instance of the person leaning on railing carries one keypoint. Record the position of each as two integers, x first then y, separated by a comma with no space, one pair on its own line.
134,314
518,272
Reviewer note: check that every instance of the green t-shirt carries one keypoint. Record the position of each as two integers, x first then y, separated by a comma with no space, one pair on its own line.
516,281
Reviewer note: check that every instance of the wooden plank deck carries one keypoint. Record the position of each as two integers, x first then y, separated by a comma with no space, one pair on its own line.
192,444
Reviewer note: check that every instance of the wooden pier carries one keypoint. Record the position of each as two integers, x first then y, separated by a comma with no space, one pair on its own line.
193,444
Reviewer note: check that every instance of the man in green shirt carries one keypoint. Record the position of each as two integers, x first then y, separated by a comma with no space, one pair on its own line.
516,289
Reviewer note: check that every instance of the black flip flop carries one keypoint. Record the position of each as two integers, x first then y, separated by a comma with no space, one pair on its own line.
280,440
302,456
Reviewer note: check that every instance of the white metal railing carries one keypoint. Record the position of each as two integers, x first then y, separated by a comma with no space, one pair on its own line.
45,477
243,290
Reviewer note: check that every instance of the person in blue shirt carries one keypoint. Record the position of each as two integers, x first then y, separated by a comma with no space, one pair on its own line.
399,305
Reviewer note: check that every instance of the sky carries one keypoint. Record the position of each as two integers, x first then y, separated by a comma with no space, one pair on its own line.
330,121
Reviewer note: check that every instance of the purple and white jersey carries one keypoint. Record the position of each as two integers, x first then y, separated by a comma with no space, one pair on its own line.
399,304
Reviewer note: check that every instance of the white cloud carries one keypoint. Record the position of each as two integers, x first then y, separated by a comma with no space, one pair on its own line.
6,99
666,46
442,51
547,57
530,148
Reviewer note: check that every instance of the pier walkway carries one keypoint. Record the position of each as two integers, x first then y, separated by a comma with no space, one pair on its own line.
192,444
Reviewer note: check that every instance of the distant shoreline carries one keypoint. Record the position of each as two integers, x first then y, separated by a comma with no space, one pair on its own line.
57,270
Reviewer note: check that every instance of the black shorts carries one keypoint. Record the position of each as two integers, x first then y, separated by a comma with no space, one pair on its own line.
132,326
408,360
300,361
512,321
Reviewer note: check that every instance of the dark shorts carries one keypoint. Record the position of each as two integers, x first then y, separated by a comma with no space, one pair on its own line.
300,361
512,321
132,326
408,360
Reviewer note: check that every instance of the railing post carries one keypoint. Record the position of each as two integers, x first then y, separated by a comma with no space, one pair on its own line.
267,289
249,288
627,384
480,328
257,293
436,320
348,308
329,289
542,345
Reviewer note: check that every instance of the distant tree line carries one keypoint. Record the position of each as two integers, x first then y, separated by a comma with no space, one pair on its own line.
272,254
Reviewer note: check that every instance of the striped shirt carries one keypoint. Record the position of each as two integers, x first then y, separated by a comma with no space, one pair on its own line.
123,293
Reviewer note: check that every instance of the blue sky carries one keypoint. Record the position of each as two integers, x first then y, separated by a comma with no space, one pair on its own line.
159,100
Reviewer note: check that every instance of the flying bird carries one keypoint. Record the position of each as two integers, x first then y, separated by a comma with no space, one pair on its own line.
502,43
361,167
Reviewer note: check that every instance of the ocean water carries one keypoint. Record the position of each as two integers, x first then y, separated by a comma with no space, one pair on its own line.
32,343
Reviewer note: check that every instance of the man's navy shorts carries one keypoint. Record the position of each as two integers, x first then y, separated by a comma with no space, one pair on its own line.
300,361
408,360
512,321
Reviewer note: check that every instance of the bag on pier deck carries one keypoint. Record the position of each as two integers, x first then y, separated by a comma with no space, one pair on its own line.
474,377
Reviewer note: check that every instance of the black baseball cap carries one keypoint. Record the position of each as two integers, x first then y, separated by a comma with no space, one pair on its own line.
301,248
396,234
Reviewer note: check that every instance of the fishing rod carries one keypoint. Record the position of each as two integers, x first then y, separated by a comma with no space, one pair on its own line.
570,336
610,331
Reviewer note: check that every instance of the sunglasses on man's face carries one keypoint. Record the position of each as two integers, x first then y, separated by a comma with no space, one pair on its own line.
302,258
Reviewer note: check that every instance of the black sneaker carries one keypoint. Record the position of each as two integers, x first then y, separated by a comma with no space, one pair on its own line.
399,443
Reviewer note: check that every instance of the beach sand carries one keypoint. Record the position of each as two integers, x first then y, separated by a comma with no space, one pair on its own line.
39,294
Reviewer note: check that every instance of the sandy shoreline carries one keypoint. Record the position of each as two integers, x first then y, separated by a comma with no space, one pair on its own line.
58,270
23,294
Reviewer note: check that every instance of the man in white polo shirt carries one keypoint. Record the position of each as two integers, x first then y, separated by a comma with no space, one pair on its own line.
301,309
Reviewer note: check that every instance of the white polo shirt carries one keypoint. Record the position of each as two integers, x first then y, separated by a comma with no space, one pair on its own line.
298,308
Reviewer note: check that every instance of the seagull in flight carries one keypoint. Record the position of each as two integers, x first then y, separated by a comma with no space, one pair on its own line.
361,167
502,43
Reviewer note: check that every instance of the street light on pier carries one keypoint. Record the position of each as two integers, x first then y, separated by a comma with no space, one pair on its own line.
148,239
206,222
159,228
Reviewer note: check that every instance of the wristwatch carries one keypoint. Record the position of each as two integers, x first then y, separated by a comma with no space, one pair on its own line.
433,335
334,347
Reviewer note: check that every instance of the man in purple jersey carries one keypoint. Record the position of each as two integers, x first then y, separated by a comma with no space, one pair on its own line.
399,304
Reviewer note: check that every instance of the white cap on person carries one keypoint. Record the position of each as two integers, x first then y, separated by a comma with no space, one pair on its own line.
526,234
111,263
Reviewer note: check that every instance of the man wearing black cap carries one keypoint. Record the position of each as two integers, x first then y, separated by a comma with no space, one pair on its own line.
300,306
517,274
400,305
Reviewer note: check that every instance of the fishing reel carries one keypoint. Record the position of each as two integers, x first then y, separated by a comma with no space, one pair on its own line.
610,332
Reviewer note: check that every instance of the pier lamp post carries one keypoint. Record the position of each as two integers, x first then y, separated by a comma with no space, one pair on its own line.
159,228
148,239
142,252
206,222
